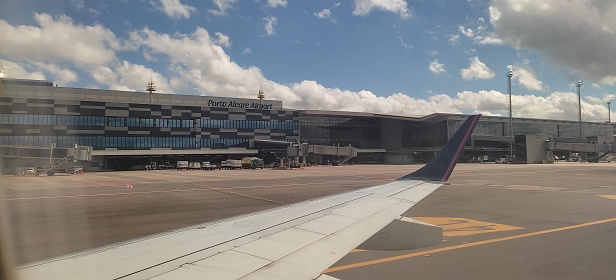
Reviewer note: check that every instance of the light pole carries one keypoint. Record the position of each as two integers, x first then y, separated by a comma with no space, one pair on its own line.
261,95
151,88
579,85
509,75
609,112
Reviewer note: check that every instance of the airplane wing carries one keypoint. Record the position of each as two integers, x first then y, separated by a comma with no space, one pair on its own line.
297,241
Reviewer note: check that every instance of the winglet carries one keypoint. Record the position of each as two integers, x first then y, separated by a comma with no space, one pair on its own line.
441,166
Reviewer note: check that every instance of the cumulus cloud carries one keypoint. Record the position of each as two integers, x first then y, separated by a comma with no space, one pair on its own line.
436,67
582,40
526,76
476,70
201,66
176,10
17,71
246,51
364,7
269,23
223,6
62,76
223,40
59,39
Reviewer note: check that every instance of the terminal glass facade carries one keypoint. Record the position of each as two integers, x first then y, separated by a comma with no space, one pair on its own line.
560,130
359,132
424,134
103,125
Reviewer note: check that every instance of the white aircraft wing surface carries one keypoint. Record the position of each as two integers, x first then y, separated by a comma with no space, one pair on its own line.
297,241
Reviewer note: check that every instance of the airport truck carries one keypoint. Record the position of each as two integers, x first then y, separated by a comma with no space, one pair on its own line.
231,164
252,163
206,165
194,165
151,166
182,165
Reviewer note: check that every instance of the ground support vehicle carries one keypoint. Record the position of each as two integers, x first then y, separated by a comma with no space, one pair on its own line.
206,165
182,165
252,163
231,164
193,165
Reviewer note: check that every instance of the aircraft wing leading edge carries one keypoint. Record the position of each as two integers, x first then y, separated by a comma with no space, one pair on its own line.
297,241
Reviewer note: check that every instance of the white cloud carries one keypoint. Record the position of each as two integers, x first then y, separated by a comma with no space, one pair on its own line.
476,70
63,76
480,35
436,67
578,34
130,77
454,39
327,13
59,39
223,40
176,10
246,51
17,71
526,76
202,67
466,32
223,6
276,3
323,14
364,7
269,23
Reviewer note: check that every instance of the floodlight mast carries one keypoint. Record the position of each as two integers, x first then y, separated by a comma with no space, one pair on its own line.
509,75
151,88
609,111
579,85
261,95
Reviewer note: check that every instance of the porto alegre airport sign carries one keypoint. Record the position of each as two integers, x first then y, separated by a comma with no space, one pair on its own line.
236,104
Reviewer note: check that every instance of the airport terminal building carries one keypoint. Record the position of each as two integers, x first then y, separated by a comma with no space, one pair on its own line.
133,128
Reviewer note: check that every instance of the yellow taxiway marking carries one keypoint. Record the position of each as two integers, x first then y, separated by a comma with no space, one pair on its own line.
466,245
608,196
462,227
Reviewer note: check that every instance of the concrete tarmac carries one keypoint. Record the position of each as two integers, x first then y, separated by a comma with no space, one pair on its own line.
500,221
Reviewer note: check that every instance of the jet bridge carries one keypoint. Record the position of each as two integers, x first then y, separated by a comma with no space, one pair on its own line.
302,150
584,147
48,158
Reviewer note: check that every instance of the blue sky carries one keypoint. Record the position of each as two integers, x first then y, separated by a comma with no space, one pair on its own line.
382,56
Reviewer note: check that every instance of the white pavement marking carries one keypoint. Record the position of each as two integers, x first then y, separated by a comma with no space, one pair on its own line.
102,194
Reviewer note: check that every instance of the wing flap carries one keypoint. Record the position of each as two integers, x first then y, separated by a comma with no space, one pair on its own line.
226,265
328,224
278,245
417,192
